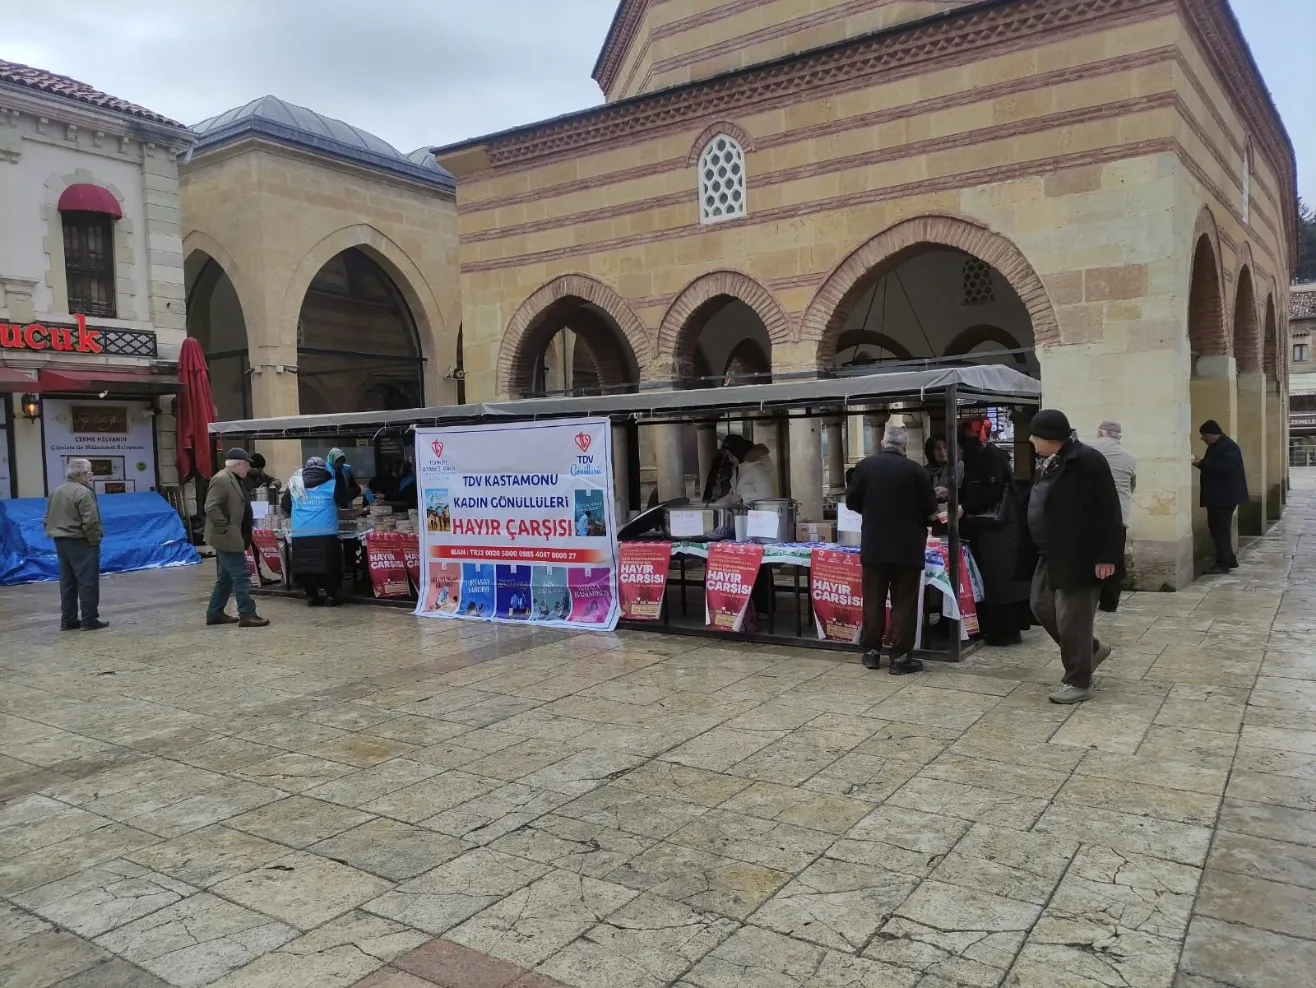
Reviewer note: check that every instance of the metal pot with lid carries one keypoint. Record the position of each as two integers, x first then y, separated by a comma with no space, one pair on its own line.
785,511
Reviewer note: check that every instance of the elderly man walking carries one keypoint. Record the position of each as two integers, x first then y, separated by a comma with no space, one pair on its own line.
73,521
228,532
1075,525
896,498
1124,469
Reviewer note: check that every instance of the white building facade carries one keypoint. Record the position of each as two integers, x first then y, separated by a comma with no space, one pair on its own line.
92,298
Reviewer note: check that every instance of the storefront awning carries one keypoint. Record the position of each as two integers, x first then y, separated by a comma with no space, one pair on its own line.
117,380
13,379
86,198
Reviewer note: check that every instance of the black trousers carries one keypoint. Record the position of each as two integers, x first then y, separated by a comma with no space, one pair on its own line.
1220,521
902,582
79,581
1068,617
1110,589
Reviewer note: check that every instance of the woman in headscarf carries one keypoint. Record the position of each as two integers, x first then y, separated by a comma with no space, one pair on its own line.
313,498
346,485
992,526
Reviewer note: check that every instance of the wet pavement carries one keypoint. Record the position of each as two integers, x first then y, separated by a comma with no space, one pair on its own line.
355,797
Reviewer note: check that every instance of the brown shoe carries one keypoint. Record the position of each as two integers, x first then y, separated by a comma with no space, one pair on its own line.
254,621
222,619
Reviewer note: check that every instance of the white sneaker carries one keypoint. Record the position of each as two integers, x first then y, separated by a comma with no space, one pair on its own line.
1070,694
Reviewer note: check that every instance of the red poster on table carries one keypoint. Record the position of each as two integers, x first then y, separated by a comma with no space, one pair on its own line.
837,589
732,569
266,544
642,579
388,565
251,565
411,551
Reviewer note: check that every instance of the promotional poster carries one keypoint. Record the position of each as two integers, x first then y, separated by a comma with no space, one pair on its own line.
643,579
732,569
519,523
836,585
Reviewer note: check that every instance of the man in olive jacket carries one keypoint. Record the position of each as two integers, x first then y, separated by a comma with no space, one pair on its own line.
1077,529
228,532
73,521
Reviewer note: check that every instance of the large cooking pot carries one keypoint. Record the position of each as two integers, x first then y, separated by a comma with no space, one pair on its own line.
785,510
696,522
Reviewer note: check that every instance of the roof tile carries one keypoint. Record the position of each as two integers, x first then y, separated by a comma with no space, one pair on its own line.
62,85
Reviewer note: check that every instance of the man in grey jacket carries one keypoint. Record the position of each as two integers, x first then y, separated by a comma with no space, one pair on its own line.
73,521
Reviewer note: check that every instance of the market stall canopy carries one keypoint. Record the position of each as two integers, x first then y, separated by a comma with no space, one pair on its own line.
985,384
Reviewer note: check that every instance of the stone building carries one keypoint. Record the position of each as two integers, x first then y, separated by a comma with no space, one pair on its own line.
91,285
1097,190
321,269
1302,387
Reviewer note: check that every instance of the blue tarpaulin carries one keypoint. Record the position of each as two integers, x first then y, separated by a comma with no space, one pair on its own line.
142,531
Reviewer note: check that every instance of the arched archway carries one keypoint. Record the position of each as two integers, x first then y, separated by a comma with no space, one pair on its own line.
215,319
1276,409
1212,383
713,316
982,341
357,339
1251,418
959,270
748,364
574,335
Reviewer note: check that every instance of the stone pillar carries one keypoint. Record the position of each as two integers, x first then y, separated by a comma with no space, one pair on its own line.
915,424
1251,439
855,448
1277,450
835,454
807,467
621,474
1022,417
707,435
669,461
274,395
767,433
1213,394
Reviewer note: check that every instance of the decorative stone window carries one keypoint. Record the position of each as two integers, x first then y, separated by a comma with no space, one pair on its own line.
722,187
978,287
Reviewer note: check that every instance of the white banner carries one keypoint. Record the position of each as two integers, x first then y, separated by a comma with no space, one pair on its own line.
518,523
118,437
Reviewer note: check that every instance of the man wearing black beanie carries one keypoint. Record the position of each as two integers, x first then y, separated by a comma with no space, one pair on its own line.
1077,528
1223,489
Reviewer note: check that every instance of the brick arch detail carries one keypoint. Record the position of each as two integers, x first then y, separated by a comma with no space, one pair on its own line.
678,335
735,132
825,317
1271,344
1245,326
975,336
1208,333
511,353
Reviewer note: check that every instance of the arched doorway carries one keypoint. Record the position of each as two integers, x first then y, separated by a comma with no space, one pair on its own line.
214,318
723,342
573,347
357,344
1251,402
1276,410
1211,381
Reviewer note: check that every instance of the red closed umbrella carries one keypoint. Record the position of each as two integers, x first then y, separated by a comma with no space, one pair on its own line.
195,412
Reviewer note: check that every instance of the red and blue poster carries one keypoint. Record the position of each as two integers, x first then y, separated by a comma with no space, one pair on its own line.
732,569
836,586
643,579
514,592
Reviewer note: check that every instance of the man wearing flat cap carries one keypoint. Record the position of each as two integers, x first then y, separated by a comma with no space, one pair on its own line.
1075,525
228,532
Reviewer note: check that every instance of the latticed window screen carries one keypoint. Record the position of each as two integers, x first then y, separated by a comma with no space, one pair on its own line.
978,289
721,181
89,264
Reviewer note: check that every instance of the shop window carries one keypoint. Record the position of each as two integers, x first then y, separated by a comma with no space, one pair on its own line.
722,189
978,288
1301,353
89,263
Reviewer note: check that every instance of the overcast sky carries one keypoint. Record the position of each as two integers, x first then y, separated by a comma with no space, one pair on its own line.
419,72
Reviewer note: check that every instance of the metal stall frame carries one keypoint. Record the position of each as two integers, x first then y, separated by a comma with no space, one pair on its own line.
893,388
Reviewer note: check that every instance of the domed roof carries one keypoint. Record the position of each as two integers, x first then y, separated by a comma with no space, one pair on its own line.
279,120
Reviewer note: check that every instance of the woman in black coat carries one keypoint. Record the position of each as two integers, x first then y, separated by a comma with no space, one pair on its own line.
992,525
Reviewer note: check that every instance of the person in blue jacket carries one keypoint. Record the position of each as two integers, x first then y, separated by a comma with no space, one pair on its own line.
313,499
396,487
347,487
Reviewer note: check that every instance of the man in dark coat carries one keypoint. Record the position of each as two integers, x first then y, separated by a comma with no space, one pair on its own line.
896,498
1077,530
1224,488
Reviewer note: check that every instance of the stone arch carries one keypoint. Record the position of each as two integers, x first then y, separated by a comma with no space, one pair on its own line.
512,365
976,336
678,334
394,261
1271,344
1207,332
860,337
1246,327
824,318
738,134
53,244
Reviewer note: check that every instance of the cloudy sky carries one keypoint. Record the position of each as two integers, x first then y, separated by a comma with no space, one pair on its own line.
421,72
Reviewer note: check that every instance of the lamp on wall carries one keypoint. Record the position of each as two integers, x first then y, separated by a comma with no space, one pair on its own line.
31,406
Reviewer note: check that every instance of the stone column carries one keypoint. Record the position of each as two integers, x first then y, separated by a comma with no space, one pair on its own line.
1251,439
807,467
835,453
1022,418
274,395
1277,450
621,474
669,461
767,433
855,449
707,435
915,425
1213,394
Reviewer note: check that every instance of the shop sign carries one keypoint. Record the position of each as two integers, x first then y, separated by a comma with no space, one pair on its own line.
117,437
642,580
732,569
37,337
1302,421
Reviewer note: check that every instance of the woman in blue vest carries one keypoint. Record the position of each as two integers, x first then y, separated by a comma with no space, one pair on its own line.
313,498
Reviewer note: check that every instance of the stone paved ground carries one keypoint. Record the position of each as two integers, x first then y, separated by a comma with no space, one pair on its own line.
359,798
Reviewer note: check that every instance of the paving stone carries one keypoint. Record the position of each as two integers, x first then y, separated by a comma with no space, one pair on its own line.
301,889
